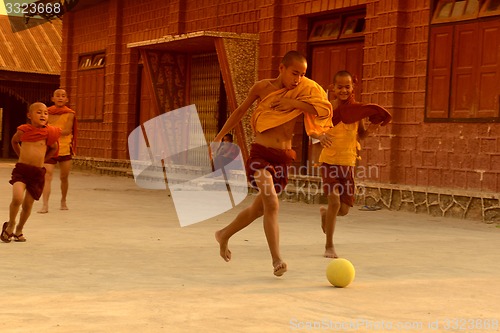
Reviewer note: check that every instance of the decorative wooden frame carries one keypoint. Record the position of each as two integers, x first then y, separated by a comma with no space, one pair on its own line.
490,8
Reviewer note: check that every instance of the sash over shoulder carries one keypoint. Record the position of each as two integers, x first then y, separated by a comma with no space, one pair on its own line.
308,91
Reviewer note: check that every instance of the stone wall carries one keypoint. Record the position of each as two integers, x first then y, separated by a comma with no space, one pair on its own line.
433,201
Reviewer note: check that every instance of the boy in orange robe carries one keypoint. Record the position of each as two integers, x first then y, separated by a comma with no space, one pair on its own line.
62,117
281,101
340,151
39,142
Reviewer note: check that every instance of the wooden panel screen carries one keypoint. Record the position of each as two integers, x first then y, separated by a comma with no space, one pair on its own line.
439,76
464,65
90,87
489,70
464,61
90,95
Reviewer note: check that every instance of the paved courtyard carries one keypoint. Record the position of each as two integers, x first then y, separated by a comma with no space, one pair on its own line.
118,261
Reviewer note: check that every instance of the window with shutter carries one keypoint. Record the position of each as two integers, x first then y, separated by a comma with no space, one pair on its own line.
90,90
463,81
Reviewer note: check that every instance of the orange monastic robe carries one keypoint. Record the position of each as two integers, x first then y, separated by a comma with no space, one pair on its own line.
67,143
264,117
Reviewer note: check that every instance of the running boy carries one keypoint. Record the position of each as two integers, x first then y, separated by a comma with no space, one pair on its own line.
339,156
280,100
62,117
39,142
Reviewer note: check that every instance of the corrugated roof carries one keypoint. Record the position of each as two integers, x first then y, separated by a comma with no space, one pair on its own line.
33,50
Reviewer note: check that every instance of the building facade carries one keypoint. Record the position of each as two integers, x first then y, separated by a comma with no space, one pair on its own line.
30,64
434,64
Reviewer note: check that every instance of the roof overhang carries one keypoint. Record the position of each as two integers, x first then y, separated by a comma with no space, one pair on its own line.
195,42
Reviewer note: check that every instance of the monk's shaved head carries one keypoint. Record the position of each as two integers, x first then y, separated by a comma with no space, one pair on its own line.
292,56
59,91
35,106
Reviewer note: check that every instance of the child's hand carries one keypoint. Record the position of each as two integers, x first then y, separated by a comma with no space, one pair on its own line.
326,140
372,127
284,104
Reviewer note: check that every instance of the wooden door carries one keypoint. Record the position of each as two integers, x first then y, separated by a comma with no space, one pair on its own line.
325,61
147,110
329,59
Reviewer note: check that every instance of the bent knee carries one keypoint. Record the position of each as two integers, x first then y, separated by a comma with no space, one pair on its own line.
344,209
271,203
334,200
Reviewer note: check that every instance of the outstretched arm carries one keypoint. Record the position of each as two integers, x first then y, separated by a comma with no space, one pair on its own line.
364,130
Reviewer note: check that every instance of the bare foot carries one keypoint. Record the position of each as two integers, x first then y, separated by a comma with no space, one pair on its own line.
43,210
330,252
322,212
224,250
64,206
279,268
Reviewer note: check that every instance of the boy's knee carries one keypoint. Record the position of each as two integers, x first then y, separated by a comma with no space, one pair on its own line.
16,201
344,210
271,203
334,200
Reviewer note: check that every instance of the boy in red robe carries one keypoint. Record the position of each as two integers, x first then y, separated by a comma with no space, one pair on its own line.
39,143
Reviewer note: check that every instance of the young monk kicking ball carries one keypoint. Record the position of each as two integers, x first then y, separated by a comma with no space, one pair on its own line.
34,143
281,101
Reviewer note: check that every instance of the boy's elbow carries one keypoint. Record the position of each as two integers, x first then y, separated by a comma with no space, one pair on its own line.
323,113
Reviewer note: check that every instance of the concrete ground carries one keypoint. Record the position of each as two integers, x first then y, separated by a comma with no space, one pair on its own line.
118,261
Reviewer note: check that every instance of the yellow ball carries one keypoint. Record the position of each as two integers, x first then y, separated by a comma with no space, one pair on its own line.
340,272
